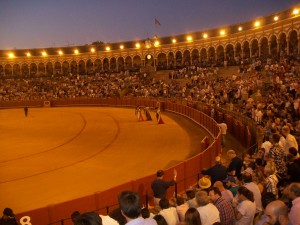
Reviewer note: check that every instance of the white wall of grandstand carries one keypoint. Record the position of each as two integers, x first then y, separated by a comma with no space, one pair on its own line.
267,37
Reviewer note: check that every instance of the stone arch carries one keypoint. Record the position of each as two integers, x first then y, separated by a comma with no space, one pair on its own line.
81,67
33,69
41,69
49,69
1,70
171,60
74,67
238,51
65,68
89,67
58,68
137,63
128,63
162,61
105,64
254,48
195,57
273,46
186,58
149,61
229,53
113,64
203,56
246,50
8,70
121,64
98,66
211,53
17,70
178,58
264,47
282,43
25,69
293,42
220,55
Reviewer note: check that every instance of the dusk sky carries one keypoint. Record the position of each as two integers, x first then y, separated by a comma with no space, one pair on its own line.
57,23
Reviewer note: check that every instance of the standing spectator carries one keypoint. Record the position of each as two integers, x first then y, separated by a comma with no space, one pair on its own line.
227,216
266,198
160,186
245,210
218,172
223,127
160,220
130,205
293,169
235,165
192,217
277,213
271,180
169,213
294,195
290,140
254,189
277,154
209,214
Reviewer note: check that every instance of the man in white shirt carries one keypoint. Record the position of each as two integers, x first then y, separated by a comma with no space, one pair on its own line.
209,213
290,140
129,202
169,213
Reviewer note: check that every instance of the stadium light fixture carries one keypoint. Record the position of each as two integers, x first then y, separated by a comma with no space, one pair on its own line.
189,38
11,55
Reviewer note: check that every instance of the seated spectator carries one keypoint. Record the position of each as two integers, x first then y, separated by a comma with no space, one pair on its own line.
130,205
160,220
246,208
209,213
225,193
74,216
293,169
181,208
8,217
204,183
294,195
169,213
192,217
191,200
227,216
230,182
277,213
266,198
90,218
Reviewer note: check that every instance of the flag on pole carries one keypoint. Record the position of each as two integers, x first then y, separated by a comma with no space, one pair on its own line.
156,22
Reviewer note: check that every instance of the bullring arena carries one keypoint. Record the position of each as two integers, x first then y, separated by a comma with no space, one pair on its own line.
58,154
81,143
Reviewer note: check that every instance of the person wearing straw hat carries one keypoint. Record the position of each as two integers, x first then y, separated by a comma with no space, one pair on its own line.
204,183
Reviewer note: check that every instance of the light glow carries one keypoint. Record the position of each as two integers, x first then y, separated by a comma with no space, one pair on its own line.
296,11
121,46
257,24
11,55
174,40
137,45
222,32
240,28
189,38
28,54
156,43
44,53
107,48
92,50
205,36
276,18
60,52
76,51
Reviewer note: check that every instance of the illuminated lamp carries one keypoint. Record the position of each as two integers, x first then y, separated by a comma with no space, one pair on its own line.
60,52
107,48
92,50
257,24
44,53
174,40
205,36
189,38
296,11
276,18
11,55
240,28
148,56
76,51
137,45
121,46
28,54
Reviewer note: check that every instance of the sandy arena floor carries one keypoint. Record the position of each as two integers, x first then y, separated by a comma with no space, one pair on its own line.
58,154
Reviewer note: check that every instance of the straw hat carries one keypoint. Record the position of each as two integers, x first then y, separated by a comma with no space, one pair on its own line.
204,183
